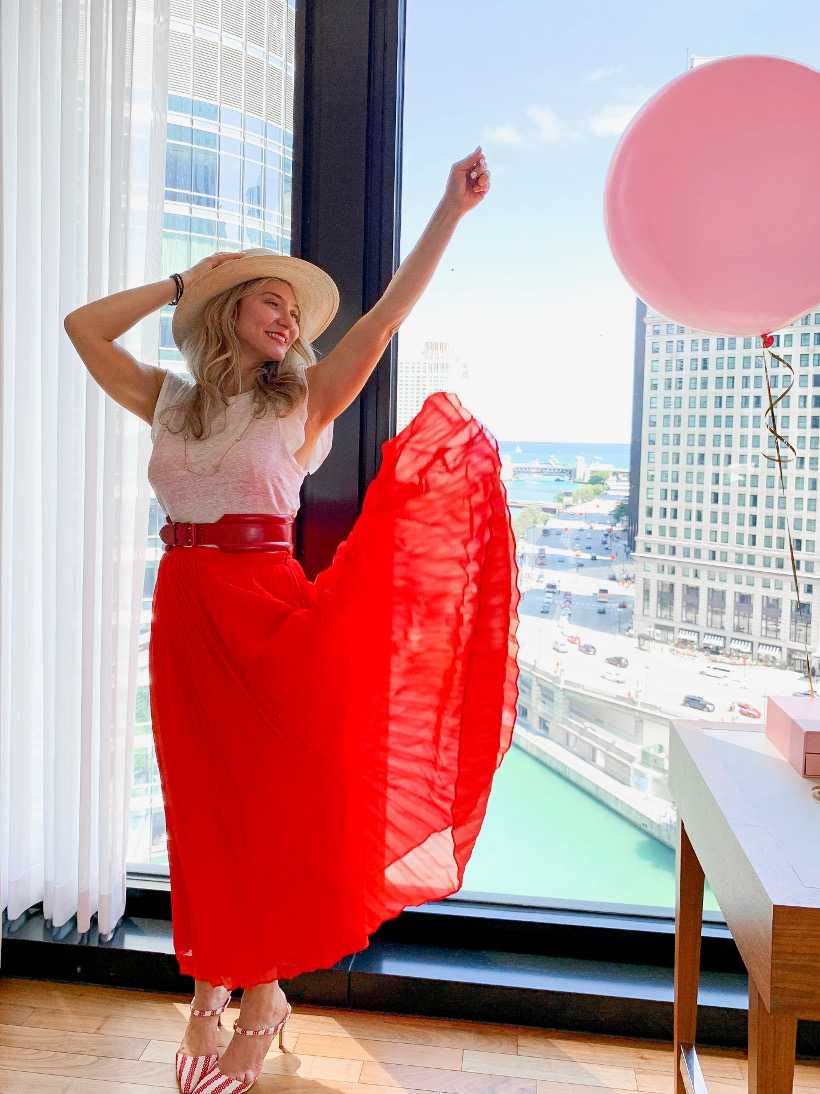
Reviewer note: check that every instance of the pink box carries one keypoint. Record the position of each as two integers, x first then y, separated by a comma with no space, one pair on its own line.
793,727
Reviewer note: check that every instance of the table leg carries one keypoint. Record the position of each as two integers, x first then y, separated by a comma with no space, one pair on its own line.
689,882
772,1043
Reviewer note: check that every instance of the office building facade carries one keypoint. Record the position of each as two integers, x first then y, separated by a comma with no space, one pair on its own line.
710,521
438,368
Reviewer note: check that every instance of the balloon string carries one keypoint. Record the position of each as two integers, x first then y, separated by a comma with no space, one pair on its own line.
779,439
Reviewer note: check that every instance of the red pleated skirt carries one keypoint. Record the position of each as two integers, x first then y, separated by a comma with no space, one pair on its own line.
326,749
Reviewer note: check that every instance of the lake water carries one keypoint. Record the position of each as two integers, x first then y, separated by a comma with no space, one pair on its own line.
537,489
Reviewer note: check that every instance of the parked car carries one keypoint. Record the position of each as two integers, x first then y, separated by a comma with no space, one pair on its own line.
720,672
560,646
803,694
574,639
746,710
621,662
612,577
587,647
613,676
697,703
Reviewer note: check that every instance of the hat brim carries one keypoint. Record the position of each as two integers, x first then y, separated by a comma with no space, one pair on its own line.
315,291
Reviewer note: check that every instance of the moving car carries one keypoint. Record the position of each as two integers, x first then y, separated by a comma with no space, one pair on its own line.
614,676
546,607
560,645
561,558
746,710
720,672
552,587
602,610
574,639
621,662
697,702
587,647
594,558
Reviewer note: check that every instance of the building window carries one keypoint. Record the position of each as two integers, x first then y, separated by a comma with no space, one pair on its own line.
800,622
743,612
715,608
770,618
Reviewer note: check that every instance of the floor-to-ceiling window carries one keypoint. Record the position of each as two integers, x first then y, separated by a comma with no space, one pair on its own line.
625,624
228,172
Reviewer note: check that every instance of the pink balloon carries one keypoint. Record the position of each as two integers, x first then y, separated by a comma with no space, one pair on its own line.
712,200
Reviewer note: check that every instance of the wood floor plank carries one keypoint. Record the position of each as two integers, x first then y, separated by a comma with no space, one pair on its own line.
43,1061
560,1071
545,1087
22,1082
407,1077
13,1015
393,1052
89,1044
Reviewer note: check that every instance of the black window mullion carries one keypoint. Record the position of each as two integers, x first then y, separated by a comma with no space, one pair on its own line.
347,100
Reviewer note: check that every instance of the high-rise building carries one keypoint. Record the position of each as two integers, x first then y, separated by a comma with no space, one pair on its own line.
438,368
228,171
712,564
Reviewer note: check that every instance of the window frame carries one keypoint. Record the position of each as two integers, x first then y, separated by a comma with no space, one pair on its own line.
348,109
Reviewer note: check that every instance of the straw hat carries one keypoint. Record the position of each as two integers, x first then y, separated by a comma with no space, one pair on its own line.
316,292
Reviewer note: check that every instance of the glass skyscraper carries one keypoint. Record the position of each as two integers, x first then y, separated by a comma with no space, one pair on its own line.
228,175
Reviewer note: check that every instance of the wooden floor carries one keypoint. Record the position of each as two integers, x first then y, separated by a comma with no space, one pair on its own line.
88,1040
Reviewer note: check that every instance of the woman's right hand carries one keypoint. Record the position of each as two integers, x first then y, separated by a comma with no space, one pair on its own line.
207,264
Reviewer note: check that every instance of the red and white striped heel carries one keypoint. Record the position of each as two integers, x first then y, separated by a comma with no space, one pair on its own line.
214,1082
192,1069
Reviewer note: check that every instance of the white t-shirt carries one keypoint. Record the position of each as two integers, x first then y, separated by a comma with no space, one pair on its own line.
259,473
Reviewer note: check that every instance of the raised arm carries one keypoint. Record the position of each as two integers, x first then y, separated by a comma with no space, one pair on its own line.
336,381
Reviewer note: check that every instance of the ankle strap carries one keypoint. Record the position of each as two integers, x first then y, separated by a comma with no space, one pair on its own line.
261,1032
209,1013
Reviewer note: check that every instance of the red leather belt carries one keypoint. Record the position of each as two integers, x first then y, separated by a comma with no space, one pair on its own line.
232,532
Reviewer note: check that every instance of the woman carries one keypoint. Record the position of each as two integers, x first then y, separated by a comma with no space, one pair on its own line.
326,748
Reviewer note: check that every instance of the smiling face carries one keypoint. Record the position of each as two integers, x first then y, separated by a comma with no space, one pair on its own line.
267,323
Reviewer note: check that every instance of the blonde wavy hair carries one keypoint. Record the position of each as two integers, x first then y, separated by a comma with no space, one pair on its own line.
212,354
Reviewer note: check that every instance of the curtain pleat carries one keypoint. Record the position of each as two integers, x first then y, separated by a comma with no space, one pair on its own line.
83,87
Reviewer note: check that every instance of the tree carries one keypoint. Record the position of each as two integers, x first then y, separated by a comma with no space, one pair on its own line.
529,516
620,512
587,493
596,477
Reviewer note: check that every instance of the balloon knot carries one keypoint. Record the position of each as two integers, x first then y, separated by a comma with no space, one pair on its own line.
768,341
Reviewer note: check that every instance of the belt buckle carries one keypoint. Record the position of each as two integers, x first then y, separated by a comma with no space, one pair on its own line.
188,530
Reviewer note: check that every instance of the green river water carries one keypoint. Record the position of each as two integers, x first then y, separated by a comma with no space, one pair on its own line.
544,837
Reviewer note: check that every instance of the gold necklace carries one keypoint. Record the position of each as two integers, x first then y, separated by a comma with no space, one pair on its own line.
209,474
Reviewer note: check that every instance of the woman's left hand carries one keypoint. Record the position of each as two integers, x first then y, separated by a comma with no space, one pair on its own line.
468,183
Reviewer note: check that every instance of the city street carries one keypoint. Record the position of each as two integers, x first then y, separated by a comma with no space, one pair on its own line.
660,675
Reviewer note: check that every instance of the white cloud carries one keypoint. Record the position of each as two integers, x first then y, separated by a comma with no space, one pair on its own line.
506,134
612,120
550,126
601,74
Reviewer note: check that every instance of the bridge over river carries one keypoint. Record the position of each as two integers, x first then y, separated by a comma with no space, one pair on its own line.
546,470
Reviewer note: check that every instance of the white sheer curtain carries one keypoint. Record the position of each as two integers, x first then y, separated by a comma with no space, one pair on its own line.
82,162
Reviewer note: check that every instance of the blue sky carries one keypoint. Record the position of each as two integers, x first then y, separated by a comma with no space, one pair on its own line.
527,291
